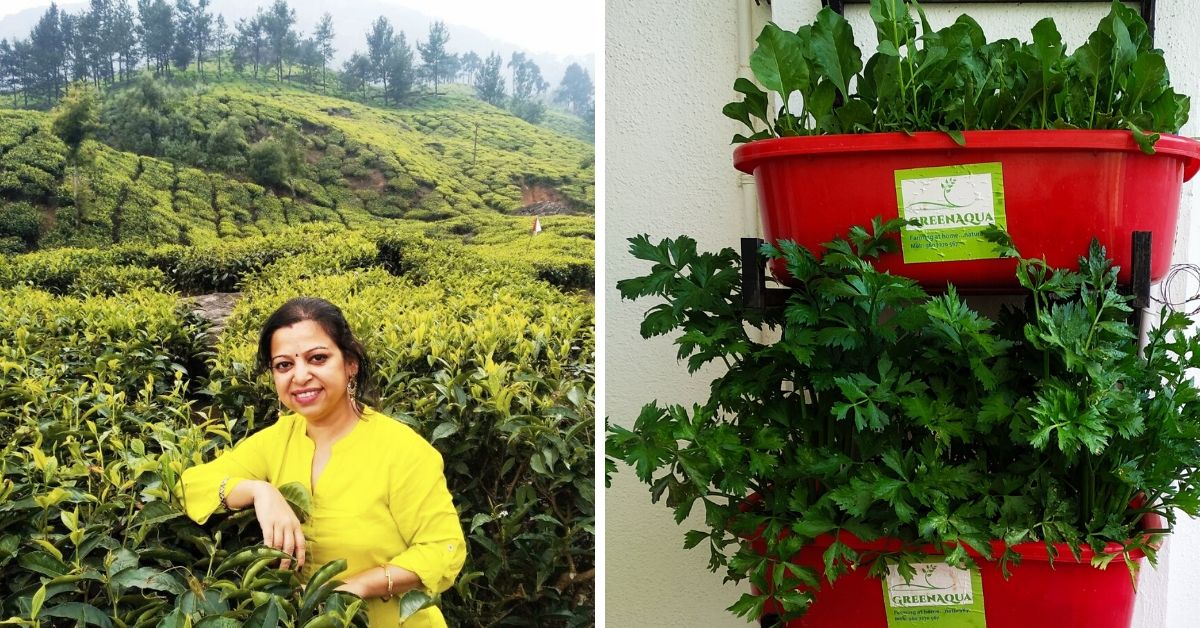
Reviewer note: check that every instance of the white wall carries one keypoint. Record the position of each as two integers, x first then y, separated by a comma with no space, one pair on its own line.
669,68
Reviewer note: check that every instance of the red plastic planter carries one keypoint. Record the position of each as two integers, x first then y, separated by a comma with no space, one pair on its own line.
1060,189
1067,595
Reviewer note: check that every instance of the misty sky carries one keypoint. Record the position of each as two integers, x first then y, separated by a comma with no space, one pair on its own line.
577,24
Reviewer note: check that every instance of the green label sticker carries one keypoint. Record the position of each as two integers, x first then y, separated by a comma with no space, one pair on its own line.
952,204
938,596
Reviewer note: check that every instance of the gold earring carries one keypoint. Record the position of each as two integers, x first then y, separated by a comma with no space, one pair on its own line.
352,392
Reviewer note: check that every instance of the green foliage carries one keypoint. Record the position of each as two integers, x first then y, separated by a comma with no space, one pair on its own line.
22,222
267,163
954,80
874,409
76,119
489,84
556,256
108,397
438,158
111,280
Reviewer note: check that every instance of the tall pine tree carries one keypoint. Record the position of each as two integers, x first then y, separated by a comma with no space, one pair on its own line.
381,40
489,83
434,56
278,26
323,37
156,28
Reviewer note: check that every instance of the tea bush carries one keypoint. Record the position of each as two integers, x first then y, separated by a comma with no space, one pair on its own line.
111,280
108,390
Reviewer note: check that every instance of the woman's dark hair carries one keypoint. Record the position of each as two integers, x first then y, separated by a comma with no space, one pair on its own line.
331,319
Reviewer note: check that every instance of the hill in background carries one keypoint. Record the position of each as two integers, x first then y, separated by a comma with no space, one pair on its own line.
186,165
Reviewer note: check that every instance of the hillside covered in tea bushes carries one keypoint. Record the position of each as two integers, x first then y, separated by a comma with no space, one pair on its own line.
192,163
110,387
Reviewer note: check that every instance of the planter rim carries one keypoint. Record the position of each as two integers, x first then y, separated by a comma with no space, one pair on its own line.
748,156
1029,550
1032,550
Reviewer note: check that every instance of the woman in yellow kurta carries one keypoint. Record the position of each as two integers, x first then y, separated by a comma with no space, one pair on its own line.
379,496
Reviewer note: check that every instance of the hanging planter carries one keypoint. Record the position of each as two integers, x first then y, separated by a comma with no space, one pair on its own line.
954,133
1053,191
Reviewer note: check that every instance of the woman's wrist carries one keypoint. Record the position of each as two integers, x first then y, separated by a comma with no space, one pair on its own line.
243,493
373,582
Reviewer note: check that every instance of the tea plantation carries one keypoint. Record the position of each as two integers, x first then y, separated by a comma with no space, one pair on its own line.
191,165
111,385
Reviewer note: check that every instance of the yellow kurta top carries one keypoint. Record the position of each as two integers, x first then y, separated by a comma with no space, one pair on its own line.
381,498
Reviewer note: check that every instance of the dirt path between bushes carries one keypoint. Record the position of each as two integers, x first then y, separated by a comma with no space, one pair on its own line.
215,307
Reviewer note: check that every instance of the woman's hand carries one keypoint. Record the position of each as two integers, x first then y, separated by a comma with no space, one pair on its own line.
280,527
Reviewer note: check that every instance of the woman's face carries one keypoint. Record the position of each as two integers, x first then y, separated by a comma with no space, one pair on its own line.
310,372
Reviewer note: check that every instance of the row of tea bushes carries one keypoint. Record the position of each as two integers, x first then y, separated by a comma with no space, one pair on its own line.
99,418
218,267
564,261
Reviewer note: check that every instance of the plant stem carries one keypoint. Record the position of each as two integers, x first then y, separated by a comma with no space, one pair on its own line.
1089,488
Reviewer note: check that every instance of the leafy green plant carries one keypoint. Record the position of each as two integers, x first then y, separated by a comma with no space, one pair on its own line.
865,406
954,80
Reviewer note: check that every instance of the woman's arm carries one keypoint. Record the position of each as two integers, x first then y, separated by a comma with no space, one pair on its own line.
373,582
279,524
240,476
426,517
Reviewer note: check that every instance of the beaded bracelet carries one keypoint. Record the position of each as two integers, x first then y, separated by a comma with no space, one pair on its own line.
221,493
388,573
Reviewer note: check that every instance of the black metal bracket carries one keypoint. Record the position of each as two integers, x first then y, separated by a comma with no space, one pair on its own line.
755,293
1139,279
1147,6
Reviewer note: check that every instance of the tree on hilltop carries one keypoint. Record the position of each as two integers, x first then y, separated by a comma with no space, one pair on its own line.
576,89
182,50
278,24
156,28
356,73
381,40
193,33
437,61
469,65
323,37
220,39
528,87
399,70
49,53
123,38
489,83
250,43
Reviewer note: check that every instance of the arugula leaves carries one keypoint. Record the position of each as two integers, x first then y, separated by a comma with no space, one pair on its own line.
865,406
954,80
